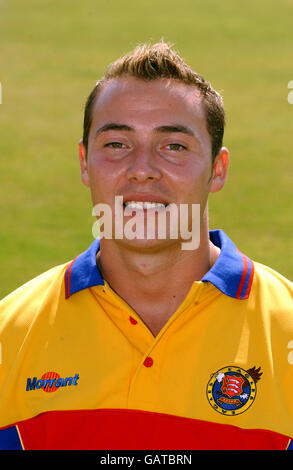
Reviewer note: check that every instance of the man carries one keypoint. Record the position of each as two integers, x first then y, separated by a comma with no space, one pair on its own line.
139,343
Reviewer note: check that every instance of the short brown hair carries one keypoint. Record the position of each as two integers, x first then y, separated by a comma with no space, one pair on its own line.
152,62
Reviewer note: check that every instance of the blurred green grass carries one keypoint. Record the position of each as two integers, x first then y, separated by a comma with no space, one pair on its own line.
52,53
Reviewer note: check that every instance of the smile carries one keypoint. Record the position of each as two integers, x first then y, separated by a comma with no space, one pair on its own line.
141,205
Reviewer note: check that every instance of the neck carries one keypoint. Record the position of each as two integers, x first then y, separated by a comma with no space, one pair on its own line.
155,282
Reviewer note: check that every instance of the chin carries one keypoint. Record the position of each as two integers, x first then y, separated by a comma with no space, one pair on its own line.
148,246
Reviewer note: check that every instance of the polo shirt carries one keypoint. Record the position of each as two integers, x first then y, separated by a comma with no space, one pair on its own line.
80,369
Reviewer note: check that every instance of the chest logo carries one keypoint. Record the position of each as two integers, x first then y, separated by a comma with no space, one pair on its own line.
232,390
50,382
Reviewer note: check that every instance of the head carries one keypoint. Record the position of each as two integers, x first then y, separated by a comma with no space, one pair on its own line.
153,132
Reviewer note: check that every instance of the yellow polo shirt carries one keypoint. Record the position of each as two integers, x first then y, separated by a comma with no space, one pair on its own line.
80,370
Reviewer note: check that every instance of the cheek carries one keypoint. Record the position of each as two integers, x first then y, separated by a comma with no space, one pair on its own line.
192,181
103,177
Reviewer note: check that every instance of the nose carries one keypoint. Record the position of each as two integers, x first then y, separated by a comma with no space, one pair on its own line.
143,167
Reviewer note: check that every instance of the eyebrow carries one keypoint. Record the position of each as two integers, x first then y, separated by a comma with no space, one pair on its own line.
175,128
113,126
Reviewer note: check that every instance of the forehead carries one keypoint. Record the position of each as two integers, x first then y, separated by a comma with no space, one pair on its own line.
133,98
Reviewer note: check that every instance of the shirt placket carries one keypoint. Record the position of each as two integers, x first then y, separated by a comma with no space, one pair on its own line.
145,385
147,351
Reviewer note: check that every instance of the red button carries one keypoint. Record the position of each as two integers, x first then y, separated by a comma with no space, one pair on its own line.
148,362
132,320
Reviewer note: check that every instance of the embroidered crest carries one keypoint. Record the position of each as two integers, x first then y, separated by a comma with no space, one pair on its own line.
232,390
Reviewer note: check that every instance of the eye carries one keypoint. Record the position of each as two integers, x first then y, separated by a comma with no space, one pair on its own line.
115,145
176,147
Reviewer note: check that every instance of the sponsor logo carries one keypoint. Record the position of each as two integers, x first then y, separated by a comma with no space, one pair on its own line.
232,390
50,382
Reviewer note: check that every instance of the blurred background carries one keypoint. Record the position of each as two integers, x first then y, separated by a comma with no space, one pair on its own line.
51,54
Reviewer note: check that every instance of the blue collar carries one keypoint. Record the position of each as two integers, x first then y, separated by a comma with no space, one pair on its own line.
232,273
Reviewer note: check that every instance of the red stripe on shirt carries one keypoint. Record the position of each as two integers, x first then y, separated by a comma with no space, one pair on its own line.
119,429
244,273
247,292
67,279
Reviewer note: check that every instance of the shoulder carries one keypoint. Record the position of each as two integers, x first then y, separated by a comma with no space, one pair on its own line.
272,281
272,292
24,303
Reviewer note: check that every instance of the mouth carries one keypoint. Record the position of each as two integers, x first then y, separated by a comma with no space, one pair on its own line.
140,201
144,205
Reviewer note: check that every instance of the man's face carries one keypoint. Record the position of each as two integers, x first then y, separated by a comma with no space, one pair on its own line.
148,142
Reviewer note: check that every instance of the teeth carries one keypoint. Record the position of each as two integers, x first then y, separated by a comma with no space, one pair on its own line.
139,205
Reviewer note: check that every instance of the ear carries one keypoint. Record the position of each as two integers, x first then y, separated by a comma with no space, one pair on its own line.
220,170
83,164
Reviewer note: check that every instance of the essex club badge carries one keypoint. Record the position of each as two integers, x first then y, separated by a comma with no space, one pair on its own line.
232,390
